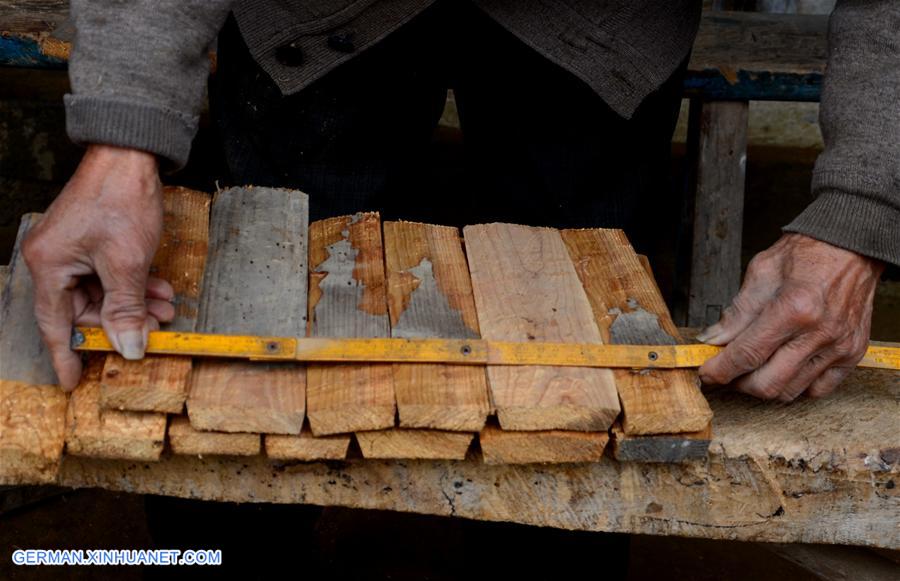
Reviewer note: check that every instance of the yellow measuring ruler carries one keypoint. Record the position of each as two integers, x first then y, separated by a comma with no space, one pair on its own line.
451,351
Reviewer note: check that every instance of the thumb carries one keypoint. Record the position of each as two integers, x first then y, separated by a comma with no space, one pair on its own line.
124,315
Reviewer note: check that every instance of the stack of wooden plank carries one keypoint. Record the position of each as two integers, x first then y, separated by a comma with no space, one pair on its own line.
248,262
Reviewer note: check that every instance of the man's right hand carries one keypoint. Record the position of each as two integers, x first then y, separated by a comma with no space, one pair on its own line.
90,257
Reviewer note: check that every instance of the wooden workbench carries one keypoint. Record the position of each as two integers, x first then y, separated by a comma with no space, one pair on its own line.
823,471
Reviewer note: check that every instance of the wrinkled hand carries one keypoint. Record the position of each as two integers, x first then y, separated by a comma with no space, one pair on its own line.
90,257
799,324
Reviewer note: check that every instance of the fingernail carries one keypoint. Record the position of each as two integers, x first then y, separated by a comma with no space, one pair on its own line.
131,344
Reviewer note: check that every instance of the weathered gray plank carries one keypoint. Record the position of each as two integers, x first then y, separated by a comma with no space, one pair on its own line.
23,356
32,408
255,284
721,159
256,269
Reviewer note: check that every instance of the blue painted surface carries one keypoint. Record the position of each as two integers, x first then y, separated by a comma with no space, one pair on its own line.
753,86
19,51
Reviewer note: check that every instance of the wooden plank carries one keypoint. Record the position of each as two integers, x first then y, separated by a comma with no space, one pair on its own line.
400,444
526,289
185,440
775,473
93,431
629,309
242,396
32,407
670,448
721,160
32,432
23,356
543,447
306,447
26,27
155,383
347,299
745,55
255,284
430,296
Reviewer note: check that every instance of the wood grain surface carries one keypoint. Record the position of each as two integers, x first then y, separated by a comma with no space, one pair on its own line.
430,296
526,289
347,299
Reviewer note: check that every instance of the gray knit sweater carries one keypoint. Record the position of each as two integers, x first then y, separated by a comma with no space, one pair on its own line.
138,73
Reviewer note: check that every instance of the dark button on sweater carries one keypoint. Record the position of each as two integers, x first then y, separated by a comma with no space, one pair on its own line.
342,42
290,54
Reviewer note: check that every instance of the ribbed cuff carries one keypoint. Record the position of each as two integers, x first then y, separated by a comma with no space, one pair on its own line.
159,130
863,225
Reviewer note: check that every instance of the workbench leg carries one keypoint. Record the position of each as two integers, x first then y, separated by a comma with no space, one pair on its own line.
720,128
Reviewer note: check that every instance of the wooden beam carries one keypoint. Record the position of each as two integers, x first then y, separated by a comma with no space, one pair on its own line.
430,296
750,56
721,160
255,283
156,383
543,447
526,289
185,440
629,309
400,444
347,299
93,431
775,473
32,407
306,447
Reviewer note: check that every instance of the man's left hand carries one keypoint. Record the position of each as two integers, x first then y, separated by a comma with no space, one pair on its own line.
800,322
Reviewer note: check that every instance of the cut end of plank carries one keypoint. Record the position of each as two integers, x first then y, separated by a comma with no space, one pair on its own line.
562,416
650,408
98,433
32,432
400,444
661,448
185,440
153,384
459,418
441,397
241,396
350,398
545,447
306,447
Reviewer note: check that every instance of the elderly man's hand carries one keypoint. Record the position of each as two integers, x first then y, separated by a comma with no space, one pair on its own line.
799,324
90,257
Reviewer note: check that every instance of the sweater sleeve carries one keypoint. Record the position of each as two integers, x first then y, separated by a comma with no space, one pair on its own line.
138,72
857,177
